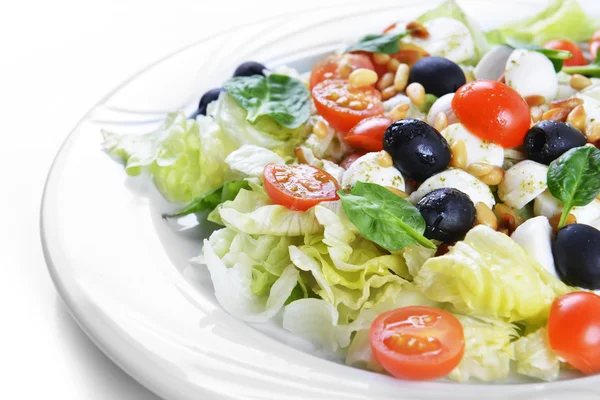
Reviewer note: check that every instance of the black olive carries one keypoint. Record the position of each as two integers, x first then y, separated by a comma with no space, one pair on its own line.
250,68
448,213
438,75
418,150
548,140
576,251
206,99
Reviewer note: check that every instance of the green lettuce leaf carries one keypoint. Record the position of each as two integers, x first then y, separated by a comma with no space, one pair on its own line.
490,275
535,358
488,349
250,160
184,157
562,19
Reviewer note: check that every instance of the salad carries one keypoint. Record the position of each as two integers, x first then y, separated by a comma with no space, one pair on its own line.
424,202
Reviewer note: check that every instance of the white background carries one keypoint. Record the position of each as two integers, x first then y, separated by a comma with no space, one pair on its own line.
57,58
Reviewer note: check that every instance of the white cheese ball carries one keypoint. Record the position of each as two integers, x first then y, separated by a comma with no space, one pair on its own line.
535,237
443,104
457,179
367,169
477,150
448,38
522,183
591,106
491,66
531,73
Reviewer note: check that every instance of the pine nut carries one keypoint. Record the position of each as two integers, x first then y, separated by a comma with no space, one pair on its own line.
363,77
440,121
401,77
555,220
385,81
300,155
468,78
494,177
535,100
399,112
593,132
514,154
507,218
417,30
577,118
556,114
392,65
485,216
569,103
580,82
381,58
502,78
321,129
384,159
459,155
416,93
478,169
388,93
536,114
397,191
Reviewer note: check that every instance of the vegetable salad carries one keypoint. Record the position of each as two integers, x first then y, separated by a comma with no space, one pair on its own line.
422,203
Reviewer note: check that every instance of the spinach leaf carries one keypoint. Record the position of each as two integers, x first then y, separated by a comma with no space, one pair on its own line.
211,200
281,97
557,57
574,178
387,43
383,217
592,69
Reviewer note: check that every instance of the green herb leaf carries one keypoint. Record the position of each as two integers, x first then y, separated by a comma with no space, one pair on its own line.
557,57
211,200
592,69
574,178
384,217
387,43
283,98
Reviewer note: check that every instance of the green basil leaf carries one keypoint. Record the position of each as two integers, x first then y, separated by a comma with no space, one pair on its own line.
387,43
384,217
557,57
211,200
592,69
574,178
281,97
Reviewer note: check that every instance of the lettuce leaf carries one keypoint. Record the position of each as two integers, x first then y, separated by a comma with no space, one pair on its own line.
488,349
184,157
535,358
561,19
250,160
490,275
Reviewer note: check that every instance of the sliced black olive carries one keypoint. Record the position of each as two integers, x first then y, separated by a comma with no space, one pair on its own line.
448,213
576,251
207,98
438,75
417,149
548,140
250,68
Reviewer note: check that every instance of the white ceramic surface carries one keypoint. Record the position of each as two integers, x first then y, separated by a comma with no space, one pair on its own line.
123,272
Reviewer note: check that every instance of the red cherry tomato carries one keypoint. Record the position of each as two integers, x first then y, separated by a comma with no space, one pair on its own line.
574,330
343,105
368,134
561,44
594,44
417,343
299,187
348,161
493,111
336,66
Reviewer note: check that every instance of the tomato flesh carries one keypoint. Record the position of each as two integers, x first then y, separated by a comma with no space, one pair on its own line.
493,111
573,330
299,187
336,66
594,44
561,44
368,134
348,161
344,105
417,343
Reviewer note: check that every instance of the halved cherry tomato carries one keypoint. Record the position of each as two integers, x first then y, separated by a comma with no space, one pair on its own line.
344,105
336,66
368,133
594,44
493,111
562,44
299,187
417,343
573,330
348,161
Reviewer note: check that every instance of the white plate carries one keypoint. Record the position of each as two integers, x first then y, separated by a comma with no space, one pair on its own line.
123,272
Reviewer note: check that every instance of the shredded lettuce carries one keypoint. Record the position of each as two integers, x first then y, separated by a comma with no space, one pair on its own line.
562,19
535,358
489,274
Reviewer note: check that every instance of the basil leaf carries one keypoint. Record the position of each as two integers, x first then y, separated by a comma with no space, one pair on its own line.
384,217
574,178
387,43
281,97
592,69
557,57
211,200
